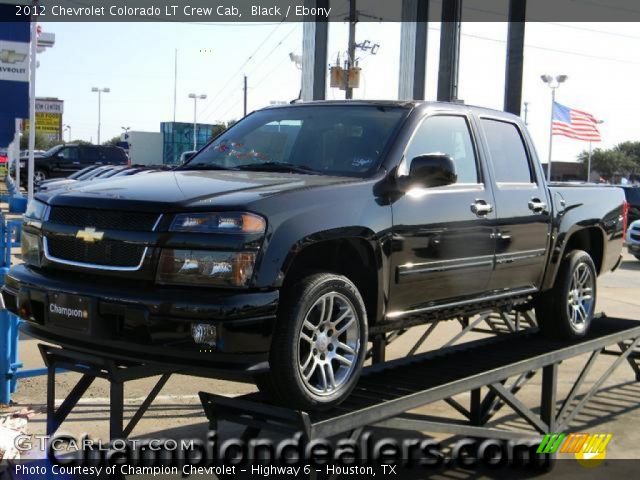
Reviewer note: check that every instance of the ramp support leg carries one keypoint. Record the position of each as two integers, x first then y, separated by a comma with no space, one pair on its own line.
548,396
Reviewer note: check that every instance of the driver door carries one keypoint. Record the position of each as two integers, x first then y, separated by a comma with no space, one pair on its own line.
443,245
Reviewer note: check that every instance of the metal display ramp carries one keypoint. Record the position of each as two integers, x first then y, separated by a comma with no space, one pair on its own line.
491,371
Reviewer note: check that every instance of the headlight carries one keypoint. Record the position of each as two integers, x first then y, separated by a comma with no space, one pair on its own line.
222,222
201,267
30,247
36,210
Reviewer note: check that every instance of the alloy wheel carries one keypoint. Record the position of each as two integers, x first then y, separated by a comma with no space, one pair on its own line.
580,297
329,344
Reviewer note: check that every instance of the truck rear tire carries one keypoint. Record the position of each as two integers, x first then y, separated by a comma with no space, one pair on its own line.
319,343
566,311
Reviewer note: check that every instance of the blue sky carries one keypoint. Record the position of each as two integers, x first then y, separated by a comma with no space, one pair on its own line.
136,61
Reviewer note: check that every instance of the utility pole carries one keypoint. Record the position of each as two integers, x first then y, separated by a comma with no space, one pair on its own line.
33,48
175,83
353,18
245,96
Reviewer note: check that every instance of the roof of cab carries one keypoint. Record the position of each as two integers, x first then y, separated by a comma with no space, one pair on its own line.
402,104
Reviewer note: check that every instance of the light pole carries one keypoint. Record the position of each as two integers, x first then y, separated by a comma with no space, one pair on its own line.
125,130
599,122
195,113
68,129
553,83
100,91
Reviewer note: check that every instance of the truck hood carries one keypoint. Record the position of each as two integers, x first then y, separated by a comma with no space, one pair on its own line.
185,189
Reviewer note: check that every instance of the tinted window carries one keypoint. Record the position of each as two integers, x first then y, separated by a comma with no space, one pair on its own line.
70,154
508,153
90,155
115,155
633,195
450,135
330,139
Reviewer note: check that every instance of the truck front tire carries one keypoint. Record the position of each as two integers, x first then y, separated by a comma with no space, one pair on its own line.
319,343
567,309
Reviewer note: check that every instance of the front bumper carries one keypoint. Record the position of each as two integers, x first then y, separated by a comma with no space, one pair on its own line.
147,322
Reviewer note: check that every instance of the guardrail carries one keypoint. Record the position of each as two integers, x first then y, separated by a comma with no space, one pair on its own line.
10,230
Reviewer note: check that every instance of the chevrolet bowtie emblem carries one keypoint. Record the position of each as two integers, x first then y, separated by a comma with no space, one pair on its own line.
89,235
11,56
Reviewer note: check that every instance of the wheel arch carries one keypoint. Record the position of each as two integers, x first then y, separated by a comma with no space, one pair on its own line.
591,239
352,252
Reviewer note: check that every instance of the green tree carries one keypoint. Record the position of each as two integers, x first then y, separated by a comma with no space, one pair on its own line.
42,142
112,141
79,142
608,162
632,151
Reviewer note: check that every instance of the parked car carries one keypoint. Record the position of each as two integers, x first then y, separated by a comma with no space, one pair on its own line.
280,249
633,239
97,174
632,195
63,160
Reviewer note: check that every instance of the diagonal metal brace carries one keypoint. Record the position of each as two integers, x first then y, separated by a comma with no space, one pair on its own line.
519,407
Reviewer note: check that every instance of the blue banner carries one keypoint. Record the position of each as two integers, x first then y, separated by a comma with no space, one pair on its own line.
14,71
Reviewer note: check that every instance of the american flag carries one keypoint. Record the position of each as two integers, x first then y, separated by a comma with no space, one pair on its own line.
574,123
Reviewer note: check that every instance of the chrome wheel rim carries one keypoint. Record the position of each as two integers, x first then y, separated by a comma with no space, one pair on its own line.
328,344
580,298
39,176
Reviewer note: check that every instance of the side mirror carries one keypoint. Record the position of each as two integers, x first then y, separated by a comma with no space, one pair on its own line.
431,170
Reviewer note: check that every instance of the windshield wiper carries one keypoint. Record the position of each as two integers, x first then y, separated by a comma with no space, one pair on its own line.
205,166
278,167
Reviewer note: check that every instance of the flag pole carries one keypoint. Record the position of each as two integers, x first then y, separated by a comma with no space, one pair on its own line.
589,164
553,101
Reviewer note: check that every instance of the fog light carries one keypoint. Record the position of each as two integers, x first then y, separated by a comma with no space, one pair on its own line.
204,334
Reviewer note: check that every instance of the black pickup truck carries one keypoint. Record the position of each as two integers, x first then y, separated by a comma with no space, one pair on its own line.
289,241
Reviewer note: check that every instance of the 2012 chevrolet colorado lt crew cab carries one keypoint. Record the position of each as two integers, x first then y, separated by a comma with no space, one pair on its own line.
295,236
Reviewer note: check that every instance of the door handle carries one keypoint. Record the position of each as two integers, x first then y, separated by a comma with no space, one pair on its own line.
536,205
481,208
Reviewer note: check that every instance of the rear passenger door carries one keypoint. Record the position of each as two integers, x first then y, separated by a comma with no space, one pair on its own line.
443,247
522,207
67,161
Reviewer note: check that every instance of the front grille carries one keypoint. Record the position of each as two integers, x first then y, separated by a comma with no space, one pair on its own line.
103,219
106,253
635,237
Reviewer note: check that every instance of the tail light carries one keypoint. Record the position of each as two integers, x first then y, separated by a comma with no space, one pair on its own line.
625,218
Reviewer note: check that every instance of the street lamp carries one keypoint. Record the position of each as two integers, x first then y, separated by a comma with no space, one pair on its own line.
126,129
100,91
599,122
195,110
67,128
553,83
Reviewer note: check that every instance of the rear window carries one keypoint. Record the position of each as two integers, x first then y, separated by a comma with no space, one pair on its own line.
115,155
508,153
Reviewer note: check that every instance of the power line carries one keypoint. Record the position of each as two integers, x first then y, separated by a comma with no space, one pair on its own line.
249,58
278,45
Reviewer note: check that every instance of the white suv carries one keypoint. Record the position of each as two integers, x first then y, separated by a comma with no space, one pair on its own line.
633,239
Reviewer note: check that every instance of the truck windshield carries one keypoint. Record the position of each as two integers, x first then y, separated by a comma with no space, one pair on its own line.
320,139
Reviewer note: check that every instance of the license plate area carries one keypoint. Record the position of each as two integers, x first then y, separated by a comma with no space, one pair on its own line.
69,311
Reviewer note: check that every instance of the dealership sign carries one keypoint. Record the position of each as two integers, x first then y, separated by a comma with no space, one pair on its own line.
48,118
14,61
